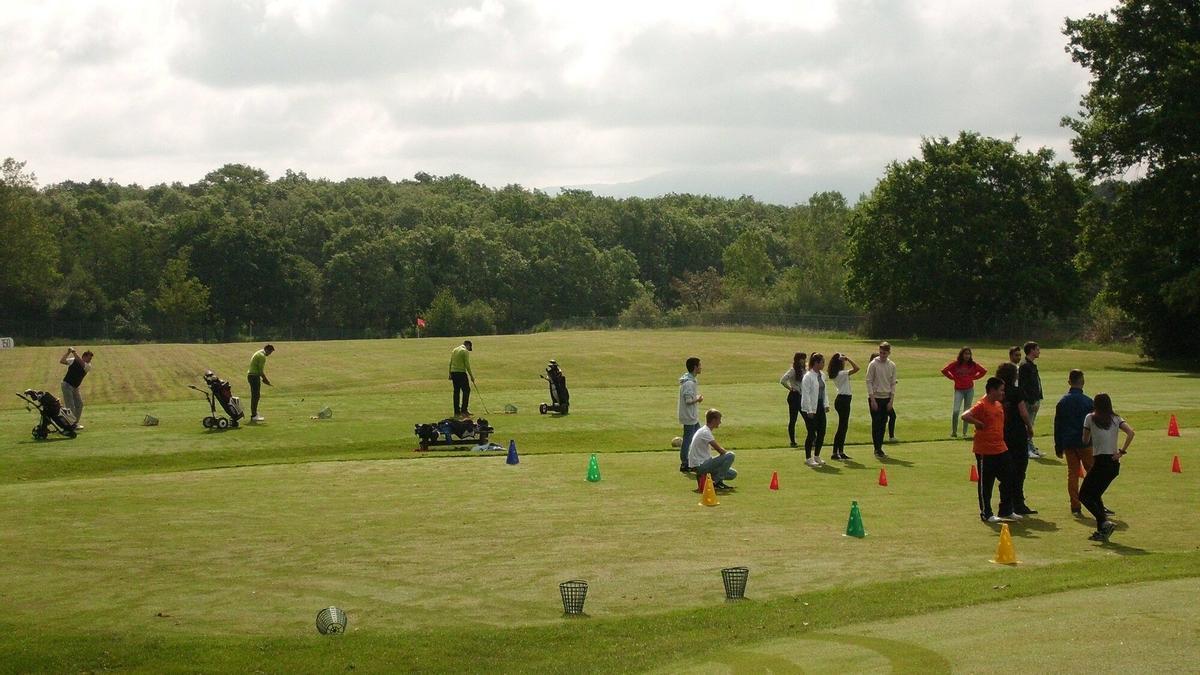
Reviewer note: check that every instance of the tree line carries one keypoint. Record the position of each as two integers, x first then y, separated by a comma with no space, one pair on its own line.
962,240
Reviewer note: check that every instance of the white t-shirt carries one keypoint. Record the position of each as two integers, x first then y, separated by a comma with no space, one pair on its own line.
700,452
1104,441
789,380
842,380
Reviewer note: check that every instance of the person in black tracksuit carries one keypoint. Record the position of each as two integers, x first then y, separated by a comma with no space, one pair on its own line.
1017,430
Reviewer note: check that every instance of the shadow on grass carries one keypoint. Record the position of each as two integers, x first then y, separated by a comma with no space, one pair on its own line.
829,469
1048,461
1121,549
852,464
895,461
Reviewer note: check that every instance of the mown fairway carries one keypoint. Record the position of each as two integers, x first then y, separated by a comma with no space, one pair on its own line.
174,548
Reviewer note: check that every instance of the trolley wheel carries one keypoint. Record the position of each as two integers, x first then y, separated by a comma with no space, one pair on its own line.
209,422
222,423
542,408
69,433
38,434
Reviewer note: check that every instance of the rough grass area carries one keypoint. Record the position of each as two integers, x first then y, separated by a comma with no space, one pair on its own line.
173,548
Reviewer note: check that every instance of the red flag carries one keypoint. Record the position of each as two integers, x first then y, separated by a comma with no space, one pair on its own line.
420,322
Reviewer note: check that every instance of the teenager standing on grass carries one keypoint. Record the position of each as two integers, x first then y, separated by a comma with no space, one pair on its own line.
462,377
1017,429
963,371
1031,390
791,382
991,453
1100,429
881,394
1069,415
689,409
78,366
814,403
256,376
841,379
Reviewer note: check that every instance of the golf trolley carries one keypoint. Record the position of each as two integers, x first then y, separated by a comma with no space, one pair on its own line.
54,417
220,392
453,432
559,396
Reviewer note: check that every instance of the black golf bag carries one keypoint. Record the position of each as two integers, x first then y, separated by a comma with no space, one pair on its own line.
219,392
54,417
559,396
451,432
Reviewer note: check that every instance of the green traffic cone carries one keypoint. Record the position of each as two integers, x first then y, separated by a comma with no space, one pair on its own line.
854,528
593,470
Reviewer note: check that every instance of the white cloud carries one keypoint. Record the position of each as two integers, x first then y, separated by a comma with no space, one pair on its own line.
540,93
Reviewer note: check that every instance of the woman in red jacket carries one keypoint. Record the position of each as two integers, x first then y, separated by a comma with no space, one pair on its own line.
964,371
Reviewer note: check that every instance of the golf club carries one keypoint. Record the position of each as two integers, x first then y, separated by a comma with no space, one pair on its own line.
480,396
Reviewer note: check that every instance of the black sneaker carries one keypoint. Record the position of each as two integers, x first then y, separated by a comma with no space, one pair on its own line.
1109,512
1026,511
684,468
1106,529
1077,512
721,486
1097,536
879,454
844,456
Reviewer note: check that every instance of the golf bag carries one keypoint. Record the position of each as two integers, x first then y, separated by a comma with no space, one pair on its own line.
54,417
219,392
559,396
450,432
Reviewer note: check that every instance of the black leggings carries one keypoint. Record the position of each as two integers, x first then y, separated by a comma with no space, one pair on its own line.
1105,468
842,405
255,382
793,401
815,438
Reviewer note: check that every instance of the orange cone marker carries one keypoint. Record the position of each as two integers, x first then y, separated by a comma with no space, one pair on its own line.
1175,468
1173,427
974,474
774,480
883,477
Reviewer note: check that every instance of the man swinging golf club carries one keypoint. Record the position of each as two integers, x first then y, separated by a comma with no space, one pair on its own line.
462,377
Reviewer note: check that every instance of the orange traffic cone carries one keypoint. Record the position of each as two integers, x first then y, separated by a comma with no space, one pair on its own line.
1173,427
883,477
1175,468
710,494
1005,555
1082,473
974,474
774,480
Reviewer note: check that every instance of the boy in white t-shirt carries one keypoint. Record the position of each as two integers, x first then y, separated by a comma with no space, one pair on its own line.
701,459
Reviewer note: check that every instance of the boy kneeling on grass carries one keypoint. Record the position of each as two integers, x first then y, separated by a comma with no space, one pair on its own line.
702,461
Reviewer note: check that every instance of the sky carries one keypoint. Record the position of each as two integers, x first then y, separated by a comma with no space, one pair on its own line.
767,98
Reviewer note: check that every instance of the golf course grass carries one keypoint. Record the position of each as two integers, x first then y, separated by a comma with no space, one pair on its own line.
174,548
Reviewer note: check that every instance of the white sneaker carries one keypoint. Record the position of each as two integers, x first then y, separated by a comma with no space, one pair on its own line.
1034,454
995,519
1014,516
811,462
258,418
820,462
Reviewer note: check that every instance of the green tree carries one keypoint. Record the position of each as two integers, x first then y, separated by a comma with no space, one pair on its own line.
28,257
946,241
747,262
182,299
1142,111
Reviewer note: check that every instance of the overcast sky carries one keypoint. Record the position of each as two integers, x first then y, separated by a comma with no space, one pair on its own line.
773,99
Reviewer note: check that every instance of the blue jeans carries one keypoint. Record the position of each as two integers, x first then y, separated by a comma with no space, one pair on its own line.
963,400
689,430
719,467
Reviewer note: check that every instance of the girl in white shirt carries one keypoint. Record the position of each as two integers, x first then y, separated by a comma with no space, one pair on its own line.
841,379
791,382
1100,430
814,404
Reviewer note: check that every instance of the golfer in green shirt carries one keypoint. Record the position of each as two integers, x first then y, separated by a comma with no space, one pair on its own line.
257,377
460,374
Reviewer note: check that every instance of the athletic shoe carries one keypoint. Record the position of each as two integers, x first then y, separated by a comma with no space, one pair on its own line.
722,487
1034,454
794,445
811,462
820,462
993,519
683,468
1026,511
1109,512
1077,512
258,418
1015,516
879,454
1106,529
78,427
1097,536
844,457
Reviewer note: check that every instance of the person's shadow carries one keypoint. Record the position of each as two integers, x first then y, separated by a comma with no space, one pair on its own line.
895,461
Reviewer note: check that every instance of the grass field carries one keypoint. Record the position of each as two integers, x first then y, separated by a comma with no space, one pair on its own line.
172,548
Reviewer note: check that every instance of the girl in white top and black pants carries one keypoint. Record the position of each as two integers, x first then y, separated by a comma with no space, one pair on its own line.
791,382
841,379
1100,430
814,404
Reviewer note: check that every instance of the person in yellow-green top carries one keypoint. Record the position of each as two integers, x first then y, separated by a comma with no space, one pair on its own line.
462,377
257,377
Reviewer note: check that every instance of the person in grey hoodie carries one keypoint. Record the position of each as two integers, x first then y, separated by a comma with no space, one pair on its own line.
689,408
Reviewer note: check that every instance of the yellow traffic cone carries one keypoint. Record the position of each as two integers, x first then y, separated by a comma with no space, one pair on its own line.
1005,555
710,495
